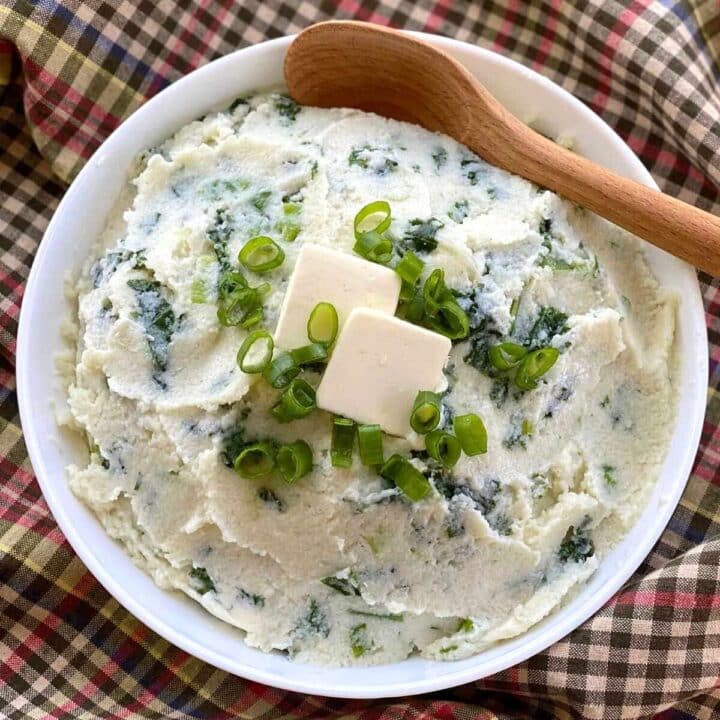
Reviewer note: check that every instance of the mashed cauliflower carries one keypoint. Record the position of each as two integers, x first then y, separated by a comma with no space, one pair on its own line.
340,568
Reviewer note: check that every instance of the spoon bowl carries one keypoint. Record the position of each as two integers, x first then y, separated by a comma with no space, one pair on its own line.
372,68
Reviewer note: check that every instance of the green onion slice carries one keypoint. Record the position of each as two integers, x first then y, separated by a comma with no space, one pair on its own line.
263,289
414,309
252,318
435,291
506,355
256,352
443,447
341,445
309,354
281,371
374,247
365,219
407,292
442,312
242,307
370,444
534,366
426,412
406,476
238,303
410,268
449,320
294,460
255,460
322,325
297,401
261,254
471,433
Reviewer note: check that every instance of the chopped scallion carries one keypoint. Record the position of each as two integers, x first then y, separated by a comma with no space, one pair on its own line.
281,371
297,401
309,354
442,312
261,254
534,366
449,319
322,325
443,447
406,476
294,460
370,444
470,431
435,291
426,412
374,217
374,247
506,355
407,292
410,268
255,460
414,309
343,439
238,303
256,352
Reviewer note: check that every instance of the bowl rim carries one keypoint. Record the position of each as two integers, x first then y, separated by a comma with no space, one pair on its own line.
311,679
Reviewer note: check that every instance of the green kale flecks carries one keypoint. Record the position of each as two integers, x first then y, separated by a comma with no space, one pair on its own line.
610,475
259,200
377,159
287,108
473,169
104,268
344,585
577,545
271,499
232,444
237,102
201,580
395,617
439,156
459,211
360,642
219,235
252,598
549,323
518,433
158,320
420,235
559,394
313,622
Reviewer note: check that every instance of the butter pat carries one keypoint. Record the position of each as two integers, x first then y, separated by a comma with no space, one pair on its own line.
379,365
346,281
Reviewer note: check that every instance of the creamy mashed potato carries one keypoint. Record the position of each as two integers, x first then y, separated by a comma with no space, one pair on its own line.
340,567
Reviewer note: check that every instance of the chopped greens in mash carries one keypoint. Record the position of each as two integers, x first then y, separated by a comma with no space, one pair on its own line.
528,453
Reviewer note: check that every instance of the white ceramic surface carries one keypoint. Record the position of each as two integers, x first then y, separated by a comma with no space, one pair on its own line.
79,220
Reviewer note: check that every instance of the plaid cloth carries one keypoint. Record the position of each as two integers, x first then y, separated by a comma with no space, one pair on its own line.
69,73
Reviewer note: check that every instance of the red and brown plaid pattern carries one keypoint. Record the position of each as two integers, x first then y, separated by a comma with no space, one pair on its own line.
69,73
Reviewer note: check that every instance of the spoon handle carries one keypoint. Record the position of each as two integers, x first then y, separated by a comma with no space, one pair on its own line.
670,224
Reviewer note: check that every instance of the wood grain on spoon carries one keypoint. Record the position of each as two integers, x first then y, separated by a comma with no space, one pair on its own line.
359,65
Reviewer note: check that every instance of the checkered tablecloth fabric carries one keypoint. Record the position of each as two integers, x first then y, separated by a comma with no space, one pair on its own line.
69,73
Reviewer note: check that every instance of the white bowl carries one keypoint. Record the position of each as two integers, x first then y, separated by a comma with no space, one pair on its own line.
76,225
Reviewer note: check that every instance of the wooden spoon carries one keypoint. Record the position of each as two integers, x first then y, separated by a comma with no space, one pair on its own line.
359,65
